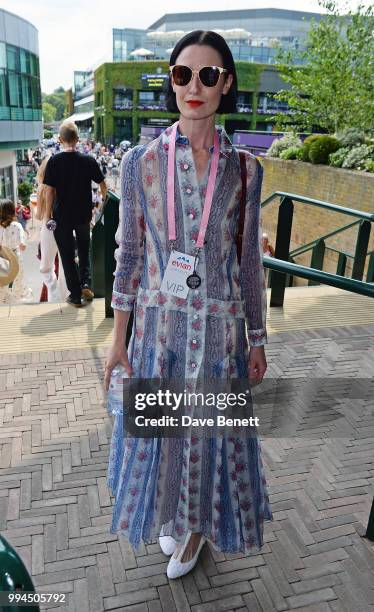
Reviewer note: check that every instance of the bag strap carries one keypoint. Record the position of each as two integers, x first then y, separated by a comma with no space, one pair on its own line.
243,199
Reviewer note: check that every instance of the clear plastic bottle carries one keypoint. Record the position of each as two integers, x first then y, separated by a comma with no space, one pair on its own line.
115,393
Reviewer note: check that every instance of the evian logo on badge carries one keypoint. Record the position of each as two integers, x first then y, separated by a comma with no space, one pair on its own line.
182,263
178,269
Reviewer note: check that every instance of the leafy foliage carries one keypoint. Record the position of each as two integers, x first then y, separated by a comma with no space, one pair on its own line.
321,148
358,156
350,137
24,191
369,165
290,153
49,112
281,144
334,88
57,101
336,159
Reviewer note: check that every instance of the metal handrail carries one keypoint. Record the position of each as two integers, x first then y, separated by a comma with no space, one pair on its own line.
348,284
310,245
318,246
327,205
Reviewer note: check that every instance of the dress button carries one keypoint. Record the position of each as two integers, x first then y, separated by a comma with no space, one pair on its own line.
188,190
190,216
194,340
195,316
193,365
193,241
185,166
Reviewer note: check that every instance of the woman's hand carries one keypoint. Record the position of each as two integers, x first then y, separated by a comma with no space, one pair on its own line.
257,364
117,355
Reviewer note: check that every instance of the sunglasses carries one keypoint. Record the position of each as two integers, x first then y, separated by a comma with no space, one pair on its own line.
208,75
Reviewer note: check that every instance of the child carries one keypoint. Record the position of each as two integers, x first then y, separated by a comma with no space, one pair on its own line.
12,235
23,214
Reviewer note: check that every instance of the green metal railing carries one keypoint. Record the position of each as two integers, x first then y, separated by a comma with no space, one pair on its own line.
315,274
14,577
370,527
282,265
103,246
103,263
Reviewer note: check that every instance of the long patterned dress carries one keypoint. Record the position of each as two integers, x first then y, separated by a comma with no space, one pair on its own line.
211,485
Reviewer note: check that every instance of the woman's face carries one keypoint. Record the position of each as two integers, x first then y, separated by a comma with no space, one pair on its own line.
196,57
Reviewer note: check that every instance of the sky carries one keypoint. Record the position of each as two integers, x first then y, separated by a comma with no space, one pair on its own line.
77,34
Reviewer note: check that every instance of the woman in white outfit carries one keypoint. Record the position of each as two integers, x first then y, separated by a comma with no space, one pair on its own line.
12,235
57,290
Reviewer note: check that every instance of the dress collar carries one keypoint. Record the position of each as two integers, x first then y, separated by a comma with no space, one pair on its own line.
224,141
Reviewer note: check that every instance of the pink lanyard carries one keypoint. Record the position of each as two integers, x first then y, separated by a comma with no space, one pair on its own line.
209,190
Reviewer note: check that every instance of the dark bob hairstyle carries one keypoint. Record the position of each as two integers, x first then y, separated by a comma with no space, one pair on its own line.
217,42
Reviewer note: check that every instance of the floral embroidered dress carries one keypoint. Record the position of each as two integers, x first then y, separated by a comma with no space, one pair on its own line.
211,485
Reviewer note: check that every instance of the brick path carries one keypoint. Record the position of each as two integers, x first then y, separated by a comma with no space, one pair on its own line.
55,508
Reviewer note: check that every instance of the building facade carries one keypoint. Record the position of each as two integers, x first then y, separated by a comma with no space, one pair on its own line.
253,35
80,102
130,99
130,92
20,96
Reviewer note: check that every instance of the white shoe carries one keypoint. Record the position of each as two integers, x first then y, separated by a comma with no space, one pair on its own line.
176,568
167,544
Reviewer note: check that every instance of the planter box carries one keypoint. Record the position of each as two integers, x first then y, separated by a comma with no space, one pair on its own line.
348,188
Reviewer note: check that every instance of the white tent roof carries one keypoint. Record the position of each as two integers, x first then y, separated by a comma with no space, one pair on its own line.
141,52
77,117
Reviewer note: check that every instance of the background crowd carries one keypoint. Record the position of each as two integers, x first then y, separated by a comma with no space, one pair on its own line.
23,225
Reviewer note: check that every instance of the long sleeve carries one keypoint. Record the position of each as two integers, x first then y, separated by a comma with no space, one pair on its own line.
252,276
129,236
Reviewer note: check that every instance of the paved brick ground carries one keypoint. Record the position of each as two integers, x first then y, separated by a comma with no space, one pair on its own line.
55,508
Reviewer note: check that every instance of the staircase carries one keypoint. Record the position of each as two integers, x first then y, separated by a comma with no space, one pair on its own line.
40,327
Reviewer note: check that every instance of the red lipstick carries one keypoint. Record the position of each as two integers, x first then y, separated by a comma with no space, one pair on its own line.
195,103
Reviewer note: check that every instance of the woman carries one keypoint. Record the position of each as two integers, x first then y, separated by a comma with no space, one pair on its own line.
12,235
56,287
189,491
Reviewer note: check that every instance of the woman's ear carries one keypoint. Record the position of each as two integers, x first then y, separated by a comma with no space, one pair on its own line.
227,85
172,81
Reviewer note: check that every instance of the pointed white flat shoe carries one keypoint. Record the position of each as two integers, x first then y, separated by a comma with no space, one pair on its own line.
176,568
167,544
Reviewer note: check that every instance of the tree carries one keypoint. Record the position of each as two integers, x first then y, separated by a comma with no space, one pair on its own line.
25,189
56,99
49,112
334,89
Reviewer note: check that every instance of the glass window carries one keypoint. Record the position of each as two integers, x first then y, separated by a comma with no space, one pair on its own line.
6,182
25,60
3,88
12,58
122,98
26,92
122,129
19,84
2,55
36,95
146,96
34,64
14,89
